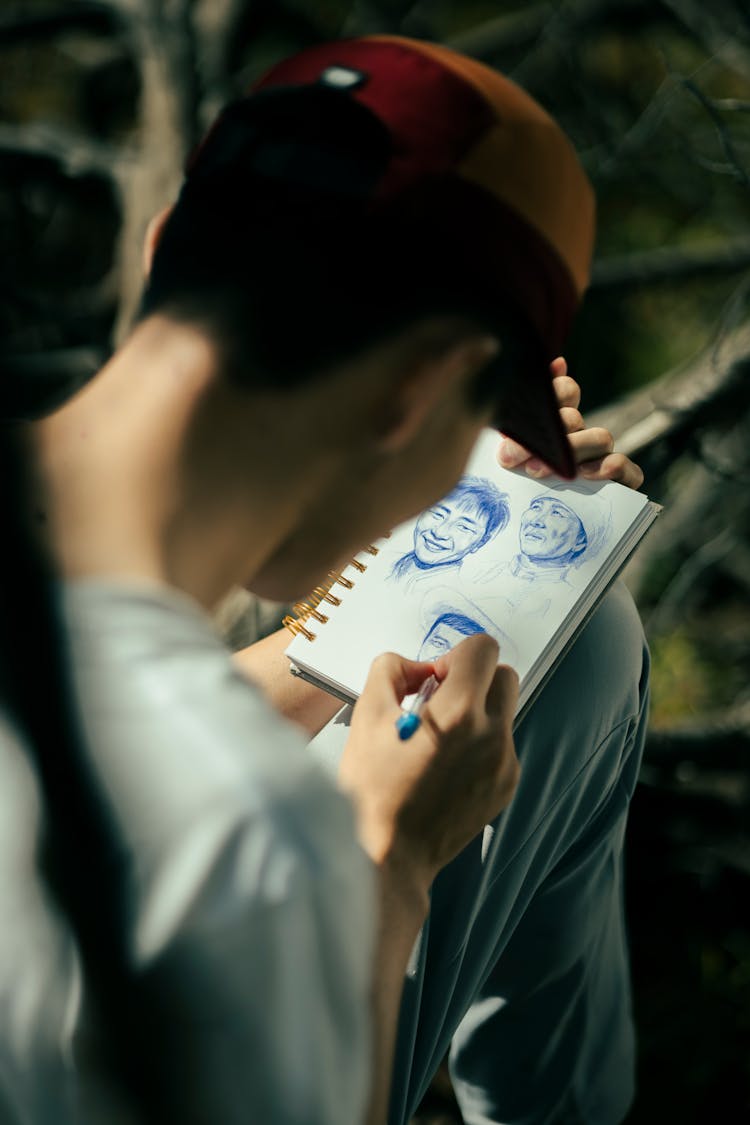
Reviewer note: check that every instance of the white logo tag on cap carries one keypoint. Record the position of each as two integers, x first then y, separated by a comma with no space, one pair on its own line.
342,77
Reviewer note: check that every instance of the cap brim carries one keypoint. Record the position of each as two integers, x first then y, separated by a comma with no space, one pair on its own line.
527,411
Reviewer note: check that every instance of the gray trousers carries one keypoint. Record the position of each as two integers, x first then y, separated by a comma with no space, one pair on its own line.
521,970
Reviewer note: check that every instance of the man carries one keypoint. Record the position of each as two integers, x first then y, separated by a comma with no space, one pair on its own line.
448,630
551,532
311,366
553,539
458,525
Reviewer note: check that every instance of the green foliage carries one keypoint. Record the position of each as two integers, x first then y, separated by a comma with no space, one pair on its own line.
700,666
684,682
625,340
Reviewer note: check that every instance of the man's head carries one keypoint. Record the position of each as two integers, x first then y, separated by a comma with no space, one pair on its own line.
462,522
554,535
551,532
448,630
365,185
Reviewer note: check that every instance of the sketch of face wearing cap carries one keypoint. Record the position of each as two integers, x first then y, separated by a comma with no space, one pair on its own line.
558,533
458,525
551,533
555,536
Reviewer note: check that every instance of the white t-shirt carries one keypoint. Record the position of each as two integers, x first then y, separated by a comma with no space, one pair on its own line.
247,877
39,978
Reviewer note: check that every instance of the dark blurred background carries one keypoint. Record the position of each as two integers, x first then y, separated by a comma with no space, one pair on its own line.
99,104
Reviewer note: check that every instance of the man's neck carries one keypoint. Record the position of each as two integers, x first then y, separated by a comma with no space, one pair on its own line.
143,476
550,570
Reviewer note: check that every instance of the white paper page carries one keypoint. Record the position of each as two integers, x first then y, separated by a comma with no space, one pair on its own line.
503,554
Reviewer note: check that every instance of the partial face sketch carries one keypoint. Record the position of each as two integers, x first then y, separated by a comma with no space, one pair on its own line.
551,531
445,633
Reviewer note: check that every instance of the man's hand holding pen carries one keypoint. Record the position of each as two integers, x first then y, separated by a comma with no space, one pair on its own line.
420,803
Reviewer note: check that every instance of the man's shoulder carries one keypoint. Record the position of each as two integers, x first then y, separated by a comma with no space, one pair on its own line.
171,726
150,651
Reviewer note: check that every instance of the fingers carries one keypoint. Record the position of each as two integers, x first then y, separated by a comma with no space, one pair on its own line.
476,704
511,454
424,803
592,446
567,391
466,674
501,705
390,679
593,452
615,466
502,698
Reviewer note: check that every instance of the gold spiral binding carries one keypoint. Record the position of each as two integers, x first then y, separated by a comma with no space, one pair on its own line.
323,594
308,607
295,626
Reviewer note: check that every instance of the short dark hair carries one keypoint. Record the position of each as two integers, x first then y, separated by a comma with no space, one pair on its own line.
487,498
272,248
458,621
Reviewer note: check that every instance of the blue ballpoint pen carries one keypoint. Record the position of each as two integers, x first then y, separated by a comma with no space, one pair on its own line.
410,721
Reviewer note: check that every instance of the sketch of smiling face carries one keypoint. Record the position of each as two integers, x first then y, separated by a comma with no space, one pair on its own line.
551,530
447,532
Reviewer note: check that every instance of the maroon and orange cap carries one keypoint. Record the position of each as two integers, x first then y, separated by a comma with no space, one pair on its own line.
480,160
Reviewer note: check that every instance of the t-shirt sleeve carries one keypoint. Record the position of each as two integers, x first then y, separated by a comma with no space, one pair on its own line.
267,925
252,903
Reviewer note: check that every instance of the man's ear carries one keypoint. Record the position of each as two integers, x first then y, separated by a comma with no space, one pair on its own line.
435,374
153,234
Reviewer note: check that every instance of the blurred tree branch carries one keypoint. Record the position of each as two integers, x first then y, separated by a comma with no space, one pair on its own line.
671,263
712,390
721,40
21,23
76,153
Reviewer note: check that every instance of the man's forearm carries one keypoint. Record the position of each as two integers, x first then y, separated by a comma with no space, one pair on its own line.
264,662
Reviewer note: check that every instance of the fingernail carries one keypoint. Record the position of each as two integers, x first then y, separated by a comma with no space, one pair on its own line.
535,467
509,453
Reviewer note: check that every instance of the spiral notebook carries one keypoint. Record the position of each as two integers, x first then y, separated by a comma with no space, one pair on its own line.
525,561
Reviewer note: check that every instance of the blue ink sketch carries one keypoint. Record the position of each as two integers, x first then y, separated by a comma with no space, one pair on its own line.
448,630
555,536
448,617
460,524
